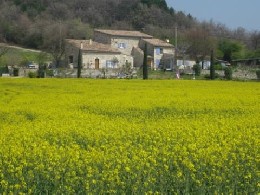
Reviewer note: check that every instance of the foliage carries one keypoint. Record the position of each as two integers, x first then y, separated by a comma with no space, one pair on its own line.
160,3
20,56
27,22
145,66
42,71
197,69
228,73
126,70
16,72
3,70
79,66
212,67
3,50
230,49
218,67
258,74
200,43
32,74
92,136
207,76
49,73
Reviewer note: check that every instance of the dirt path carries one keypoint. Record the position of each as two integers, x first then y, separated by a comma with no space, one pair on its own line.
32,50
17,47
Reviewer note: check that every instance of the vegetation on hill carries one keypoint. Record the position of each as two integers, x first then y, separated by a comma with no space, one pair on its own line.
42,24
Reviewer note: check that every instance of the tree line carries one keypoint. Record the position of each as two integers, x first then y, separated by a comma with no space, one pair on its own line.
44,24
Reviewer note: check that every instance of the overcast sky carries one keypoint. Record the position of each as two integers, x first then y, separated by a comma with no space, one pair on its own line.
232,13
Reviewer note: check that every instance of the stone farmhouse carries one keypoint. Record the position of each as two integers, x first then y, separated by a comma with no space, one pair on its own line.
114,48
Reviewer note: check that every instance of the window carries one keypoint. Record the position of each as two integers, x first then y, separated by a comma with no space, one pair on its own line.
122,45
70,59
161,50
158,51
110,64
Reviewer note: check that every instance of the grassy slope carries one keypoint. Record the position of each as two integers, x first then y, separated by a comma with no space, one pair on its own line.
19,56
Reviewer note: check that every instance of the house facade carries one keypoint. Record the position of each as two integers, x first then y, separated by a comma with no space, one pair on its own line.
115,48
94,55
122,40
161,54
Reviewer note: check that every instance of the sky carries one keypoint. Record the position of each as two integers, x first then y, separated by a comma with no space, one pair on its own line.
232,13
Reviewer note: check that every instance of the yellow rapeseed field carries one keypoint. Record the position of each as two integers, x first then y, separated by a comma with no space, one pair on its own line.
78,136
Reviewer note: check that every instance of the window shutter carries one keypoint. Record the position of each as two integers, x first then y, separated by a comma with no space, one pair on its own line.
157,51
157,62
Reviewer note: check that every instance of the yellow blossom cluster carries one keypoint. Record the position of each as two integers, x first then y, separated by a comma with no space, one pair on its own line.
79,136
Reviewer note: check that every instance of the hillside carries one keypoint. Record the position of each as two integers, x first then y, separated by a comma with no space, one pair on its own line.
42,24
27,22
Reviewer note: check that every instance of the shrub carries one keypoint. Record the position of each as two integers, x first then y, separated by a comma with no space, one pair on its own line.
41,71
49,73
32,74
218,67
228,73
3,70
16,72
258,74
197,69
207,76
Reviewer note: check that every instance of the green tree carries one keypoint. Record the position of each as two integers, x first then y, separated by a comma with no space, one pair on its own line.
212,67
79,67
145,68
228,73
160,3
229,49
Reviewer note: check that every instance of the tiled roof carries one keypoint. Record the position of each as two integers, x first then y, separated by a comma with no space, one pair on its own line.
124,33
89,45
158,42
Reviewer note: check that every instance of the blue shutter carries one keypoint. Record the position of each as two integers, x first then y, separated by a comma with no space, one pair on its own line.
157,51
157,62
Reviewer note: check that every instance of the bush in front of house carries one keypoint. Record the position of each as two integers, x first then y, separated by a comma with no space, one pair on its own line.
16,72
258,74
197,69
3,70
32,74
207,76
228,73
49,72
218,67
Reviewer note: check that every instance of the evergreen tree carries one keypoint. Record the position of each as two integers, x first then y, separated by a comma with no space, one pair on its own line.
212,68
79,64
145,69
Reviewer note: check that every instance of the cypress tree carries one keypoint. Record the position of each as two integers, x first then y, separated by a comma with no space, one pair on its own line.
212,68
79,64
145,69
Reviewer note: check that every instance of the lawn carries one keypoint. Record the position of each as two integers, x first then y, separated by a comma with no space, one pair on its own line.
80,136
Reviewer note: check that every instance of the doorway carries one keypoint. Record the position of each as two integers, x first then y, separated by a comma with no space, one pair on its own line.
96,63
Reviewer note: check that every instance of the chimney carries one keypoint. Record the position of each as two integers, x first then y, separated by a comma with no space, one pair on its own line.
90,41
81,45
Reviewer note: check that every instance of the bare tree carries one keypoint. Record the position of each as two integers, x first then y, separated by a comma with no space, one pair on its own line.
54,41
3,50
201,43
255,40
